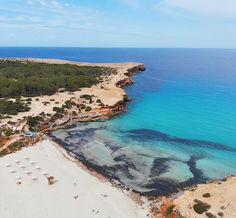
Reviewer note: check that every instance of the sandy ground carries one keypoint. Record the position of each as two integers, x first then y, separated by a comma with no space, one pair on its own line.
109,95
76,193
222,199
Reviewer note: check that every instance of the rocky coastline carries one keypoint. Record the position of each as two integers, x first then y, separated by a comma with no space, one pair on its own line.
100,114
110,100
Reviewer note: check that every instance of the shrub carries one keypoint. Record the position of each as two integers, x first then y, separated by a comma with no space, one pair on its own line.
87,97
3,152
206,195
88,108
16,144
59,109
42,114
74,113
169,210
8,132
34,121
46,103
210,215
200,207
82,106
68,104
12,108
220,214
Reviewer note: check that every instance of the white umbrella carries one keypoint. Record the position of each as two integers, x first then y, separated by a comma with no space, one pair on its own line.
28,172
13,171
34,178
8,165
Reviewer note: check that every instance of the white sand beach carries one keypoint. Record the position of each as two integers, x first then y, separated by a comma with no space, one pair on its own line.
76,193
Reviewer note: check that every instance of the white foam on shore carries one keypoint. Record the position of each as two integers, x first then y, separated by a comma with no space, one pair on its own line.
76,193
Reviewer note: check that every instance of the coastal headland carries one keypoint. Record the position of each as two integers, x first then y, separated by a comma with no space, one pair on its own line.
94,100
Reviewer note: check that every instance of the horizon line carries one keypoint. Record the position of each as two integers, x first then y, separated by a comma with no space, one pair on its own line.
90,47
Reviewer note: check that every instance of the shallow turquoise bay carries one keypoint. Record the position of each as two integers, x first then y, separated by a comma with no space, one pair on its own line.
180,127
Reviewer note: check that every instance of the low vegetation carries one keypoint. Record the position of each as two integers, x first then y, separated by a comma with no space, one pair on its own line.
88,109
206,195
6,132
87,97
15,146
99,101
169,210
201,207
34,79
58,109
32,122
210,215
12,107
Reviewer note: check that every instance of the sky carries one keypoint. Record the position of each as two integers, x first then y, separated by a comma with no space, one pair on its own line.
119,23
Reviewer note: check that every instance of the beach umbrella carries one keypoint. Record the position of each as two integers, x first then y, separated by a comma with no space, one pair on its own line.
17,161
8,165
28,172
34,178
13,171
45,174
38,168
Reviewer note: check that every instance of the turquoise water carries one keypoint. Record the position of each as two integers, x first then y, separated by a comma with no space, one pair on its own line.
180,127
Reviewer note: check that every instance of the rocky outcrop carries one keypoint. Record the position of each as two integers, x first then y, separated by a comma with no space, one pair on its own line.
130,72
113,110
124,82
134,70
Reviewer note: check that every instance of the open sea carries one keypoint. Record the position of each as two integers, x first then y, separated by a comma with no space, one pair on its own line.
180,127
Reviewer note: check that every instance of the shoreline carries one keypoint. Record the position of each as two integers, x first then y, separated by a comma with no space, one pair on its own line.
113,107
118,105
136,196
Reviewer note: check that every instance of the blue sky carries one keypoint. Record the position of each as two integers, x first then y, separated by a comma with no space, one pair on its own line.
118,23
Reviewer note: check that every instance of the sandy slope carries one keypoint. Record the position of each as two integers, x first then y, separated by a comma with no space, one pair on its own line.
222,199
75,194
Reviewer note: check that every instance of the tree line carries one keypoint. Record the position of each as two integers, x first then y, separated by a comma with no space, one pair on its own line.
19,78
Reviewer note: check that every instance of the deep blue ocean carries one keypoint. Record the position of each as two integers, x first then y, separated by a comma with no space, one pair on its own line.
180,127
